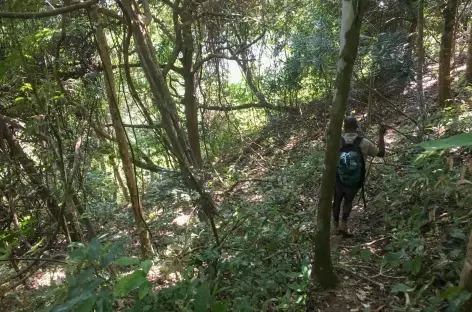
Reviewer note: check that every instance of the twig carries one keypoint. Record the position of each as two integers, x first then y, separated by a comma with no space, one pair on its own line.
368,279
391,104
34,259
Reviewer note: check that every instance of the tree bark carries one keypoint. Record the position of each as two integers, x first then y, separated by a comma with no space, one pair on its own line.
166,105
190,99
121,138
352,13
119,180
444,80
420,58
29,168
468,73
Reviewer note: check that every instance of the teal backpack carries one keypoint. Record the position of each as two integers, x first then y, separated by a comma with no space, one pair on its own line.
351,166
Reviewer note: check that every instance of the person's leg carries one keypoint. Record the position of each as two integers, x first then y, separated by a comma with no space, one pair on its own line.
338,198
349,196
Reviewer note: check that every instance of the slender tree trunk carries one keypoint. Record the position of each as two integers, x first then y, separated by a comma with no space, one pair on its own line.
119,180
468,73
466,274
352,13
420,58
444,80
190,99
29,168
122,141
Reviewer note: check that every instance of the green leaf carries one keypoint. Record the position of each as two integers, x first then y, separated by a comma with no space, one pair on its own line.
400,288
416,265
127,261
296,287
451,291
463,139
129,283
202,298
94,249
457,301
144,290
87,305
407,265
365,254
219,307
393,258
146,266
458,234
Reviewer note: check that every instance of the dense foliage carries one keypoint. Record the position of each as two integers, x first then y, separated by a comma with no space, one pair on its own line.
168,155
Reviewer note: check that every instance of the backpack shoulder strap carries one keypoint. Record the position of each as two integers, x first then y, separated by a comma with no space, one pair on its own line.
357,140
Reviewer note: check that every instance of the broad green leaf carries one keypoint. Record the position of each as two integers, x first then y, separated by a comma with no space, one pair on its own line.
458,140
393,258
129,283
144,290
400,288
365,254
457,301
127,261
407,265
202,298
94,249
451,291
219,307
458,234
87,305
146,266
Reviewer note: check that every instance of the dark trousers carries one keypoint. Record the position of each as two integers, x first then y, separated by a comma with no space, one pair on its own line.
348,194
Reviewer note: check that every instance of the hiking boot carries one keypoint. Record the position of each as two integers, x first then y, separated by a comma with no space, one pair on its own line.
334,228
342,229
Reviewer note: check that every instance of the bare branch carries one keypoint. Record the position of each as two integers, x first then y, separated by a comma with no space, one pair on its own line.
250,105
110,13
138,126
227,57
32,15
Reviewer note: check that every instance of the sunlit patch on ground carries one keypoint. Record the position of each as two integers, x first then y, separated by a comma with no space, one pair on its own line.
48,277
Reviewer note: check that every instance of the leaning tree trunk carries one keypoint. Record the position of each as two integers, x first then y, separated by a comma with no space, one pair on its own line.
468,72
466,274
166,106
444,80
122,140
352,12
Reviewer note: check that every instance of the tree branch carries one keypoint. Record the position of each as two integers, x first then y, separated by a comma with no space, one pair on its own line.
144,126
249,105
31,15
234,54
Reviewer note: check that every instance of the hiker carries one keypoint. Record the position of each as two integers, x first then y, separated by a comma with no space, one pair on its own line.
350,174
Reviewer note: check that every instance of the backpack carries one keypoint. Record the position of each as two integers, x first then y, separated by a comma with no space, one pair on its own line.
351,166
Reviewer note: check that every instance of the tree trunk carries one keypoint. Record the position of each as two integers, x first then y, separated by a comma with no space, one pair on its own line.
29,168
119,180
468,73
444,80
420,57
466,274
166,105
190,100
121,138
352,12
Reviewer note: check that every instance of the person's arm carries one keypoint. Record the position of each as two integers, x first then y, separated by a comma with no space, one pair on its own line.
381,144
